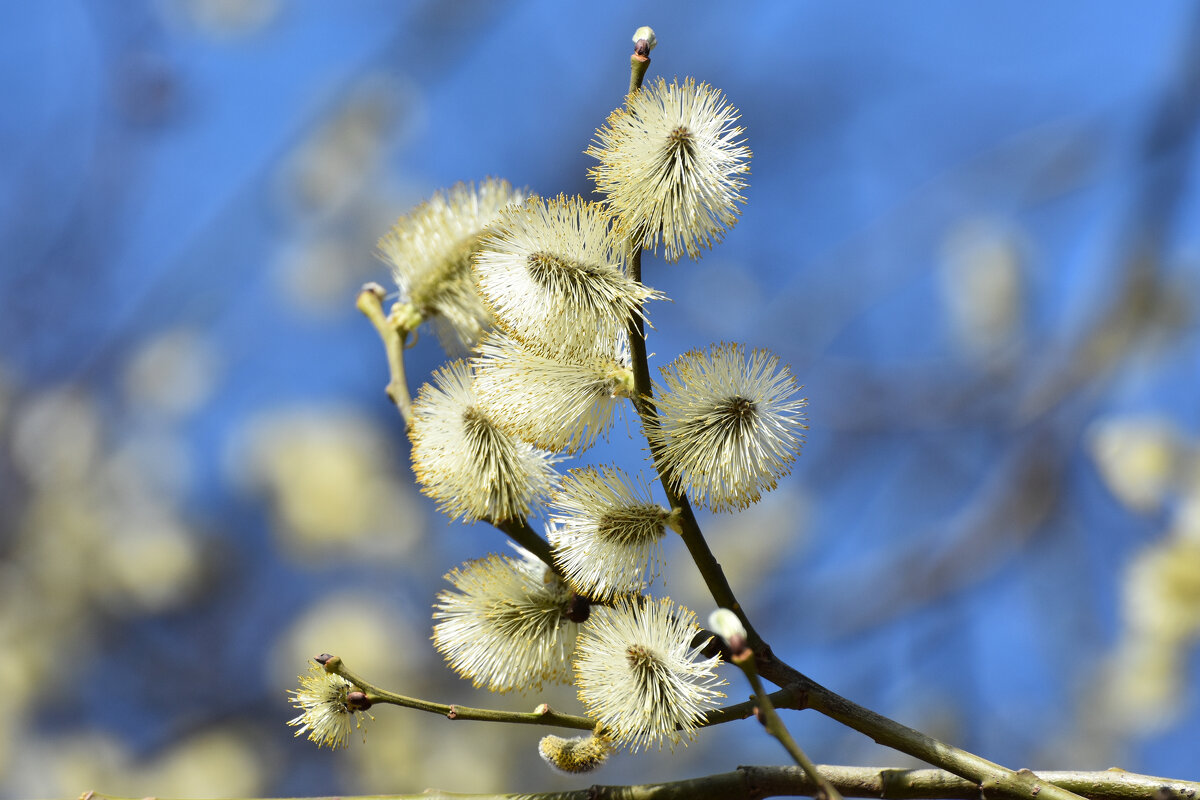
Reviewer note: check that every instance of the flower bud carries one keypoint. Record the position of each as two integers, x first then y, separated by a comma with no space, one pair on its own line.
646,34
726,624
574,755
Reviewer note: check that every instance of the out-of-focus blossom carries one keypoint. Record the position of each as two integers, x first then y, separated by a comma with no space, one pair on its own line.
332,483
983,286
226,18
172,373
1138,457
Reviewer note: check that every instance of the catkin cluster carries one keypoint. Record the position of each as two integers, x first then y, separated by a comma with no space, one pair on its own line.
543,294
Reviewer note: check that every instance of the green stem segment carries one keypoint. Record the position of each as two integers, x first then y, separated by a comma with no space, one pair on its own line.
520,532
643,401
394,336
394,329
637,71
542,715
774,725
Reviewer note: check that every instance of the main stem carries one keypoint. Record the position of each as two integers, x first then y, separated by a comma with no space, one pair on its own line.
643,401
693,537
989,776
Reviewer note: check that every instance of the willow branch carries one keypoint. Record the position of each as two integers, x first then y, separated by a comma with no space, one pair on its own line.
639,62
753,783
520,532
542,715
689,529
994,779
643,401
782,698
936,784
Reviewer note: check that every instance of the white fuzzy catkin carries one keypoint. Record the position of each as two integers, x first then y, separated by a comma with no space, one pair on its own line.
671,166
325,712
462,459
637,673
606,531
505,626
574,755
558,401
729,425
430,251
553,275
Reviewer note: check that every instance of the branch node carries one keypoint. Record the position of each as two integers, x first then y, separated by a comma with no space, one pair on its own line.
452,713
990,789
891,782
358,701
749,778
800,697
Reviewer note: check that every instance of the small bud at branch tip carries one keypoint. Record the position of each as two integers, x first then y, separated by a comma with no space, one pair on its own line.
728,626
644,37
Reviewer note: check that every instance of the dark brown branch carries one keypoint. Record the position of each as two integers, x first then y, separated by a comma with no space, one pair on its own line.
754,783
